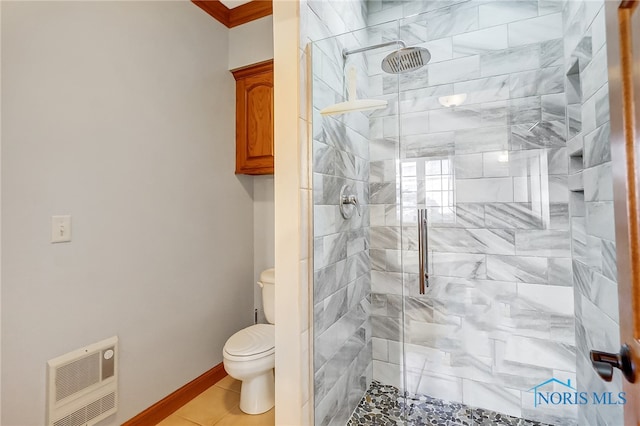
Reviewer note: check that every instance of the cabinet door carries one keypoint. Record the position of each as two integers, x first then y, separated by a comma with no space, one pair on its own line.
254,119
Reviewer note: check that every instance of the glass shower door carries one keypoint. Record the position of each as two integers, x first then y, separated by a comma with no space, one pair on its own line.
358,290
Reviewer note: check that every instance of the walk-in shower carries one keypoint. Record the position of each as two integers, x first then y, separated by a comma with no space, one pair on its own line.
481,268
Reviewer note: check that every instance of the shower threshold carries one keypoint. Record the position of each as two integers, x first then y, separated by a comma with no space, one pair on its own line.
384,405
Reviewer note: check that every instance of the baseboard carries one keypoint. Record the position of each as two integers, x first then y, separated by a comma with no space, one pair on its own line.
168,405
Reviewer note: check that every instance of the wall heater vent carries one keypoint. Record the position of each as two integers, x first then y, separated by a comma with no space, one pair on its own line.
82,385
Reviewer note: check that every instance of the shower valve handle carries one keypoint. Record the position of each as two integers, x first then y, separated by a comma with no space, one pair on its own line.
351,199
347,197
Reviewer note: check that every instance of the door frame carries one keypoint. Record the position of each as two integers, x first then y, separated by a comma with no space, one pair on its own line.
626,196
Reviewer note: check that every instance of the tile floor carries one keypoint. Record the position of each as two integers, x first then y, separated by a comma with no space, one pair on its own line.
218,405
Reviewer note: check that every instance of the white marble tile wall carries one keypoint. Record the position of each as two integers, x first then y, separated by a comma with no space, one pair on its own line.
498,317
591,209
342,351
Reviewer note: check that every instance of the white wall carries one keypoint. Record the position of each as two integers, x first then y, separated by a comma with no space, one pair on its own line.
248,44
118,113
263,233
251,42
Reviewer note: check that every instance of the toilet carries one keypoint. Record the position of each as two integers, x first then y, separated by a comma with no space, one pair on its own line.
249,355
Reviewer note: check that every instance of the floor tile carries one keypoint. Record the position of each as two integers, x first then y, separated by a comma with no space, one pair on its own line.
229,383
175,420
210,406
238,418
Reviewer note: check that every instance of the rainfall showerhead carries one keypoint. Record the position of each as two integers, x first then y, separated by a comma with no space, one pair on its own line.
405,60
399,61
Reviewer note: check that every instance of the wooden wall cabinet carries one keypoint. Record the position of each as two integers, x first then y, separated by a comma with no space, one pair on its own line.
254,119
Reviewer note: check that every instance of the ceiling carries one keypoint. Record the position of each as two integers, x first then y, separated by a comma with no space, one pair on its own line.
234,3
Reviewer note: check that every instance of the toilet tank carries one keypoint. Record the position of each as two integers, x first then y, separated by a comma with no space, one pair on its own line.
267,283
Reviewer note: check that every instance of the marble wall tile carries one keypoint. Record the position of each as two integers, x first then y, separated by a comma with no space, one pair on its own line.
468,166
512,216
553,107
441,49
382,171
588,115
408,81
440,144
468,215
496,13
574,119
462,265
598,183
386,282
558,162
325,220
414,123
544,134
476,42
525,110
596,146
382,193
599,223
551,53
600,330
487,190
323,158
456,118
525,83
481,140
595,74
543,243
551,80
494,164
539,352
332,340
450,21
510,60
547,299
441,386
602,105
517,268
559,216
558,189
480,90
388,328
492,397
494,113
461,69
424,99
388,373
382,149
535,30
560,271
609,266
480,241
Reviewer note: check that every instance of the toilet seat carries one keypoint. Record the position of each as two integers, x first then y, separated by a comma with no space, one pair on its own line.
256,341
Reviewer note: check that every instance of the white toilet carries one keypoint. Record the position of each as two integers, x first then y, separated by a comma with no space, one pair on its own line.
249,355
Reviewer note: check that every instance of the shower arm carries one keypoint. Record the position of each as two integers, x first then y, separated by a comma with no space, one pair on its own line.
346,52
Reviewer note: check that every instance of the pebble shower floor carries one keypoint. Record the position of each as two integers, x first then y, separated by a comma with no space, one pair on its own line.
384,405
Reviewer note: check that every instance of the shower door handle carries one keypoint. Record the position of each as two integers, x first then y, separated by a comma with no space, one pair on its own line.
423,249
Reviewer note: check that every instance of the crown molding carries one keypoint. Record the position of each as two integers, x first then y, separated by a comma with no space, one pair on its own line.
242,14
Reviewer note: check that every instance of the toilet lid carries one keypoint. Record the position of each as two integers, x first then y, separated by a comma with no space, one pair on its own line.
254,341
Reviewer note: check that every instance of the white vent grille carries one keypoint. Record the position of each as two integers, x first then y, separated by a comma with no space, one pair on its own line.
90,412
78,375
82,385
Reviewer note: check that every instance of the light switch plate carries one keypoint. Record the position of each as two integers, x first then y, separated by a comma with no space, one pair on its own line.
60,229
